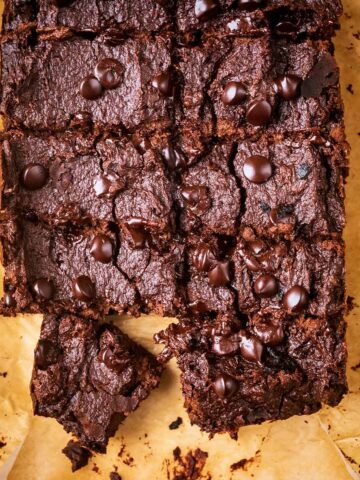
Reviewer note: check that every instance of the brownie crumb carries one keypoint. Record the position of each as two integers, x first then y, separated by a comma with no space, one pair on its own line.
77,454
188,467
350,89
176,424
3,374
356,367
114,476
3,444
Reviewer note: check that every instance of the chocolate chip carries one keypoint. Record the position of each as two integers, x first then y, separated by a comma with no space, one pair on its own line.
324,74
269,334
46,354
257,246
43,288
9,300
91,88
196,198
175,424
174,158
302,171
206,9
164,82
257,169
198,307
285,27
296,299
102,249
83,289
109,72
234,93
107,356
259,113
78,455
219,275
203,258
139,236
108,185
222,345
251,263
225,386
250,5
287,86
34,176
251,348
266,285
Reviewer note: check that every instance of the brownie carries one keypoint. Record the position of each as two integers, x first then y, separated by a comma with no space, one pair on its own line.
89,377
233,375
118,18
248,17
79,82
299,276
238,87
77,454
83,180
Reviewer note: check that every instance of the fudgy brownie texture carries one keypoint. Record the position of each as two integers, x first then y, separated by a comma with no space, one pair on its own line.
89,377
279,366
79,179
238,87
54,85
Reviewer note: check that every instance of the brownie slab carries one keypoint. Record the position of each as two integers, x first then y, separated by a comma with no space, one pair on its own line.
89,377
79,82
231,378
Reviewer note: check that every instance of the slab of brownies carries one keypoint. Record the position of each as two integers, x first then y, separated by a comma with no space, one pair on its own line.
187,158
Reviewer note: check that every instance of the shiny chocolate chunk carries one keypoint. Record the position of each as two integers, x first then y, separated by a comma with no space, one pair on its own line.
259,113
222,345
296,299
83,289
251,348
257,246
198,307
109,72
9,299
234,93
270,334
324,74
203,258
206,9
250,5
225,386
91,88
43,288
139,235
108,185
174,158
34,176
164,82
286,27
46,354
266,285
219,275
287,86
257,169
102,248
196,198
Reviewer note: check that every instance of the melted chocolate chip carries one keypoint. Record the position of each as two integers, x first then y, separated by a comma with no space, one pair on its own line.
234,93
198,307
266,285
287,86
225,386
219,275
251,348
102,249
257,169
108,185
46,354
286,27
206,9
109,72
34,176
259,113
91,88
164,82
203,258
296,299
222,345
324,74
107,356
43,288
83,289
250,5
196,198
9,300
174,158
252,263
78,455
257,246
269,334
139,236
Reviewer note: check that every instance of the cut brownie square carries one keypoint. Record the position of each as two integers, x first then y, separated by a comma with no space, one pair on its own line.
89,377
249,17
294,185
77,82
299,276
231,378
79,179
47,270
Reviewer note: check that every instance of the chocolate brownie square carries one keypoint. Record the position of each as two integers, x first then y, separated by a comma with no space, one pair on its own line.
79,82
89,377
232,376
294,185
301,276
80,179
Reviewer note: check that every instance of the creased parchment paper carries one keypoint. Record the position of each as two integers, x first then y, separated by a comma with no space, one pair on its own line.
325,446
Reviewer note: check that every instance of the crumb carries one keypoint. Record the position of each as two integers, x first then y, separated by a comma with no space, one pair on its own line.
3,374
77,454
356,367
188,467
176,423
357,35
95,468
2,444
114,476
350,89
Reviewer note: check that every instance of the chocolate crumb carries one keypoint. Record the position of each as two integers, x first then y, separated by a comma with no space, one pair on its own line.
350,89
188,467
356,367
77,454
176,424
3,374
114,476
2,444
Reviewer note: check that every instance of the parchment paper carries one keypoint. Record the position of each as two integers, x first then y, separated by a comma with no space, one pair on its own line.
325,446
